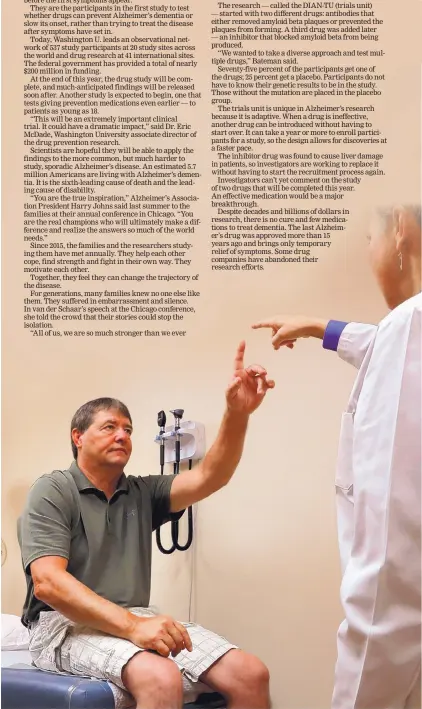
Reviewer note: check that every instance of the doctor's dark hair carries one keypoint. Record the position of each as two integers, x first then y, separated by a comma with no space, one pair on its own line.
84,416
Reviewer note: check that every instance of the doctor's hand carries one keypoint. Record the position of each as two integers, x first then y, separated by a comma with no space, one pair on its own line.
161,634
286,329
248,386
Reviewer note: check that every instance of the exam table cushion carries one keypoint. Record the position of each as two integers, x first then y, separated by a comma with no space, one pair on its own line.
33,689
28,688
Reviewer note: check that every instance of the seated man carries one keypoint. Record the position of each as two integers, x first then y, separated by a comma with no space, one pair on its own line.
85,537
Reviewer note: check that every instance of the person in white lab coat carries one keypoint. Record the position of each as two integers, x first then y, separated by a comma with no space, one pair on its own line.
378,477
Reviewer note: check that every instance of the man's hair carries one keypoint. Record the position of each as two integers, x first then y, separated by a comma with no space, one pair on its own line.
84,416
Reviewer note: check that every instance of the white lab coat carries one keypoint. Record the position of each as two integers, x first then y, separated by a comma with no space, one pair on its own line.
378,491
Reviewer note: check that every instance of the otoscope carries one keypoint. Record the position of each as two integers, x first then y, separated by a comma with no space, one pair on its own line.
177,413
161,420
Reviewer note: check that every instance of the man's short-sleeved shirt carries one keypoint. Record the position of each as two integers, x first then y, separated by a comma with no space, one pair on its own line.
107,543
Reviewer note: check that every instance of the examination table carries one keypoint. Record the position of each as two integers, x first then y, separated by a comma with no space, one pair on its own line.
25,687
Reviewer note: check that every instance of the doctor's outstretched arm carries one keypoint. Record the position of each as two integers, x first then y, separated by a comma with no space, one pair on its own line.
350,340
379,642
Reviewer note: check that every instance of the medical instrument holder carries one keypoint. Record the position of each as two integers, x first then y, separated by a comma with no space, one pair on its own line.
192,441
178,443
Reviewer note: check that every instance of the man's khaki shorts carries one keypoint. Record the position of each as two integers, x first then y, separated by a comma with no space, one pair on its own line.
59,645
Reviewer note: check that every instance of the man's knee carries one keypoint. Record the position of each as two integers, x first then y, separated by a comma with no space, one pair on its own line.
146,672
260,672
250,670
238,669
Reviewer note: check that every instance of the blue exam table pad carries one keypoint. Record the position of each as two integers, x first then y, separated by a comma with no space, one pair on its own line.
25,687
33,689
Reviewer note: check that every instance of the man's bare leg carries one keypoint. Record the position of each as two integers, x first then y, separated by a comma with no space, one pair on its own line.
154,681
242,678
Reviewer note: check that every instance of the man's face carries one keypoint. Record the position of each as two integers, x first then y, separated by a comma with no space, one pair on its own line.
107,441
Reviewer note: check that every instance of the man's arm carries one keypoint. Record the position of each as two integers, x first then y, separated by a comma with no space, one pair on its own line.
379,642
216,469
245,393
60,590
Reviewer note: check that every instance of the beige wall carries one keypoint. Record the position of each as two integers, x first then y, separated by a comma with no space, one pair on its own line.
266,563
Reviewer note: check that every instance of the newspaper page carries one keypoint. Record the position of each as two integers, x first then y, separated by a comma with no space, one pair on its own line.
172,174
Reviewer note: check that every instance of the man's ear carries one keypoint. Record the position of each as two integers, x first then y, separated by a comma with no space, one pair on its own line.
77,437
